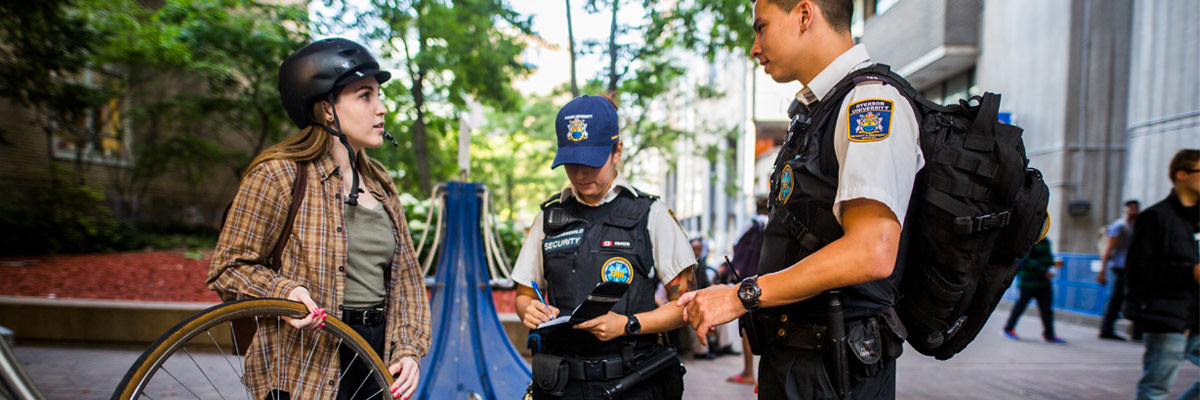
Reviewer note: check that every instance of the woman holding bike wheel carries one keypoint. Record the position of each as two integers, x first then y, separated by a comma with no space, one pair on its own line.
346,249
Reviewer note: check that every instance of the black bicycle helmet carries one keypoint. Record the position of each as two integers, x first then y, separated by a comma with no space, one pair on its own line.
311,73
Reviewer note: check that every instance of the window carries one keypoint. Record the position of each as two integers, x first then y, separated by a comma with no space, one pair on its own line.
957,87
100,130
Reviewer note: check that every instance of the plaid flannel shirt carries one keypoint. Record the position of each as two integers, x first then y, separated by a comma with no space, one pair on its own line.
281,357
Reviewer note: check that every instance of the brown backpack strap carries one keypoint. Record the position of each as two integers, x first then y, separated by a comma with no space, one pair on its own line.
298,188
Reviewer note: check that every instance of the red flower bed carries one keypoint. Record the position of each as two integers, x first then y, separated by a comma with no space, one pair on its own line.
136,276
141,276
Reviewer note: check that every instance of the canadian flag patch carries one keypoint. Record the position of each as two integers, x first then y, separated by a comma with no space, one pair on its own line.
616,243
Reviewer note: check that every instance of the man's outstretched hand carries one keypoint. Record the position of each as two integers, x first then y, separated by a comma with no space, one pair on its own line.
706,309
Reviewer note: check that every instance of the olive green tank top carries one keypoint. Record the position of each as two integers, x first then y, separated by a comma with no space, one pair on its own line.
369,255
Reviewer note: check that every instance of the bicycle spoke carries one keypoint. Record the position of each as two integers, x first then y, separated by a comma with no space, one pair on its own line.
304,366
346,368
185,387
233,334
377,393
360,385
210,382
226,358
266,360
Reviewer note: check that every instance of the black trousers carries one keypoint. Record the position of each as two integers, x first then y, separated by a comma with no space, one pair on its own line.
1112,311
1045,300
795,373
358,372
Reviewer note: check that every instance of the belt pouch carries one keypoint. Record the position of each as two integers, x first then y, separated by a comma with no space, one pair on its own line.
753,328
550,373
866,345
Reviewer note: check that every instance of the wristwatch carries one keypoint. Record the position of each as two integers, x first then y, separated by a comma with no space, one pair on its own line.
633,327
748,292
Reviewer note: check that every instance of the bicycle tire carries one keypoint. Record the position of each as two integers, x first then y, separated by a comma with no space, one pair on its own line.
143,369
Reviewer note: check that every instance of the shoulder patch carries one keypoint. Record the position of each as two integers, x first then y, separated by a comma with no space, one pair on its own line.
870,120
785,184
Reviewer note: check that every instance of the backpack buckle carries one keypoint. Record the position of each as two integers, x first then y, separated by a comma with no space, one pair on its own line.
966,225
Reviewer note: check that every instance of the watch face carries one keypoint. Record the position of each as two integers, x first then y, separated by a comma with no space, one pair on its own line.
746,293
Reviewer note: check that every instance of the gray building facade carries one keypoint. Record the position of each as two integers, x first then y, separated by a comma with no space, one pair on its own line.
1104,89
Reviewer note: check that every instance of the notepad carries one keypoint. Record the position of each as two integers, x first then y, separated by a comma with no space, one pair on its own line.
602,299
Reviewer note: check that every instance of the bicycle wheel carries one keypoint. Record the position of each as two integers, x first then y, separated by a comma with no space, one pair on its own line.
220,373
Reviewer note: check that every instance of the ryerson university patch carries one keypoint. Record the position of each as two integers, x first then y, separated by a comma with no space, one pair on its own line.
566,240
870,120
576,127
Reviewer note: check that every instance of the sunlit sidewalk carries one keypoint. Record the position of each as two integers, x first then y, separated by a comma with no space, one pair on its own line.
993,367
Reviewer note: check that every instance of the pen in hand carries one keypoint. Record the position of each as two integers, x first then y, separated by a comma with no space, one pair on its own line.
541,297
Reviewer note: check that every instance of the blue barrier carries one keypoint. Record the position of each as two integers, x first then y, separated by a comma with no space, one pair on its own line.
1075,287
471,356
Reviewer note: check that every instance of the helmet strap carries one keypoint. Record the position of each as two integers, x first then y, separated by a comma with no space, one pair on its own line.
352,199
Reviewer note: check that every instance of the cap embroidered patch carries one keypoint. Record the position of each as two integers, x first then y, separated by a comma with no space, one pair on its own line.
617,269
576,128
870,120
785,184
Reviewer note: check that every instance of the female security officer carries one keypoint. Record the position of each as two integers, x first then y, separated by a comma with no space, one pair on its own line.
600,228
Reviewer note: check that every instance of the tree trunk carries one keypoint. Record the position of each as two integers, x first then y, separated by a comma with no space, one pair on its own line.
612,53
508,192
571,48
420,138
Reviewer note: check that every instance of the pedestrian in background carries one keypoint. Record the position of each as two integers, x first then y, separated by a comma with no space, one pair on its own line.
1034,283
745,263
1164,280
1113,259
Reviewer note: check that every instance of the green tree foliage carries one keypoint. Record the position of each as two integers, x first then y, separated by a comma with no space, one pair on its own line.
512,154
709,26
644,69
449,51
195,79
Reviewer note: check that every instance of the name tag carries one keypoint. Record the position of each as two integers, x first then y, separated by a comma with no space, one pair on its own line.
566,240
618,244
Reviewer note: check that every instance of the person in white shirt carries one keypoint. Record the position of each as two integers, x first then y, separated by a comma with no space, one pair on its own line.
600,229
840,190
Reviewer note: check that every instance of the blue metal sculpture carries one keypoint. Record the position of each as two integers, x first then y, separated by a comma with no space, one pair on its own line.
471,353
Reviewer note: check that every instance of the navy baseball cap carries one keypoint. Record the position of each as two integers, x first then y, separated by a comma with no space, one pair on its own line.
587,130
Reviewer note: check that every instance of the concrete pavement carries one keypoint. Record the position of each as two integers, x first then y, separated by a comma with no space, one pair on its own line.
993,367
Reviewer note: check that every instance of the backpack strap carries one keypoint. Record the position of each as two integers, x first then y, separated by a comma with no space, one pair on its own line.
299,185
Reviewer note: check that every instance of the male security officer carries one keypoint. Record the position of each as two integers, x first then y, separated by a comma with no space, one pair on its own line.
840,190
601,229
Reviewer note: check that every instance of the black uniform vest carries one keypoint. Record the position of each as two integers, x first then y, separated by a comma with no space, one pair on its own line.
804,184
587,245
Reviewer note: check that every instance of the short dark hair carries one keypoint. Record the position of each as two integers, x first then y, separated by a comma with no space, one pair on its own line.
1184,160
1132,203
837,12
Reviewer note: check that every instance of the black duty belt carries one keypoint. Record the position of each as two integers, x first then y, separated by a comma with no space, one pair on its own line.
368,317
792,333
596,370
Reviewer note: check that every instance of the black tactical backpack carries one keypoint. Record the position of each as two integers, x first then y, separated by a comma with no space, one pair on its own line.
976,209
